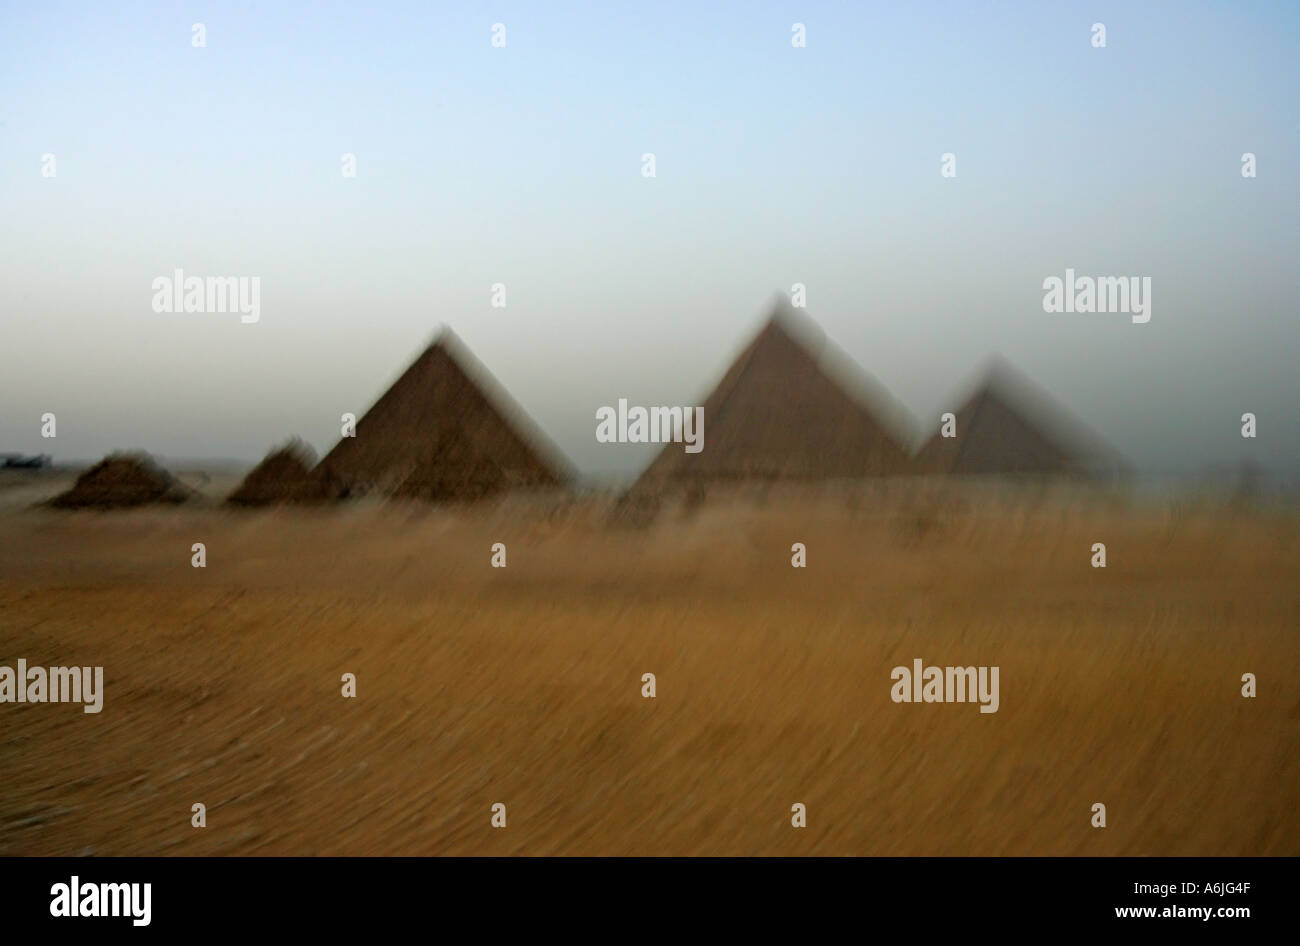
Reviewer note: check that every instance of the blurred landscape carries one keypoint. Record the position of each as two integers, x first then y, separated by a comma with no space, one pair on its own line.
767,349
521,685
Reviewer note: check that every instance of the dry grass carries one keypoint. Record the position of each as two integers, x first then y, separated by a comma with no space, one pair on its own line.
478,685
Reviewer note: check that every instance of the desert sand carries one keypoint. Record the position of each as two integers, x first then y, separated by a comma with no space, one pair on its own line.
522,685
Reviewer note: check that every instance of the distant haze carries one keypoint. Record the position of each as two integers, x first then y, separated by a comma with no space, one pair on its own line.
522,165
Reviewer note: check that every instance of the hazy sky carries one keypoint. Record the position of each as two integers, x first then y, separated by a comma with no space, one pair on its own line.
522,165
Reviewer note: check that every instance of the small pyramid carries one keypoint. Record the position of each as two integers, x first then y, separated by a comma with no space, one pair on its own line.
1008,427
444,421
284,476
122,480
788,409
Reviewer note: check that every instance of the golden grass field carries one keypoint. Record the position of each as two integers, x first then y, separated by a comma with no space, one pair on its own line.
522,685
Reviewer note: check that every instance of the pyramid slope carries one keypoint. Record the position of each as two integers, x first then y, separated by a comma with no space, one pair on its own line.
781,413
444,398
1006,426
454,469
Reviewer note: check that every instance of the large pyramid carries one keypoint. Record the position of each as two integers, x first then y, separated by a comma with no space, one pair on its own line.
444,430
789,409
1007,426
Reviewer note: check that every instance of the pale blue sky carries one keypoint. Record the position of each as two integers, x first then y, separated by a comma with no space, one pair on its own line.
521,165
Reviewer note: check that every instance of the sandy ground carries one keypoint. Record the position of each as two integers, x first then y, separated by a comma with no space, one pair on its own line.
523,685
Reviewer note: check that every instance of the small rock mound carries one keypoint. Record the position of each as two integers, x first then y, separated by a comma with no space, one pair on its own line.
122,480
284,476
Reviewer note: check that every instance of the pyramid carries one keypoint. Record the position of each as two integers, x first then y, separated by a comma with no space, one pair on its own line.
444,429
284,476
1008,427
787,409
453,469
122,480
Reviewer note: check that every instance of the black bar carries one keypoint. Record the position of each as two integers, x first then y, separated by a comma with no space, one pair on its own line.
663,897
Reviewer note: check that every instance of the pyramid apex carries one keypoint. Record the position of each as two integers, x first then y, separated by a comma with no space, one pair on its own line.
781,313
780,304
1000,378
444,337
786,322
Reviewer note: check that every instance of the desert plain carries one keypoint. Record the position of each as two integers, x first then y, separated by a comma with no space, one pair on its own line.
523,685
